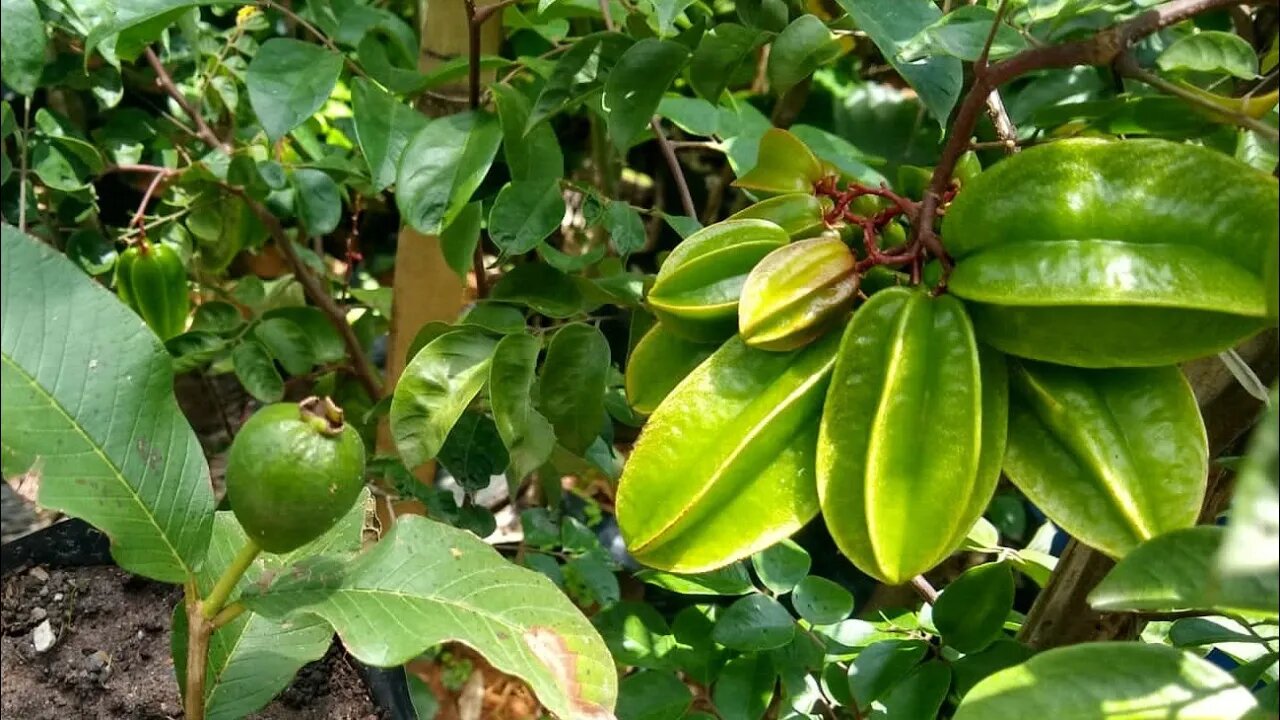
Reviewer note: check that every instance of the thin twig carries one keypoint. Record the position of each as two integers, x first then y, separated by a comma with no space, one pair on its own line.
1130,68
606,12
1005,129
475,19
203,131
141,212
673,164
924,589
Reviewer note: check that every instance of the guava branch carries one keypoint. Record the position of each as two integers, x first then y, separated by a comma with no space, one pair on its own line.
1103,48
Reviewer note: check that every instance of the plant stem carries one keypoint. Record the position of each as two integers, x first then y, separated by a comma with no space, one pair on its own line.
673,164
203,131
199,631
1130,68
924,589
212,604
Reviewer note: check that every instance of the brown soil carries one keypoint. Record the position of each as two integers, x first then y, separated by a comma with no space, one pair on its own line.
111,658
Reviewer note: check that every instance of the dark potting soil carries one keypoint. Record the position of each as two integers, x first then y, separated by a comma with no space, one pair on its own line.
110,659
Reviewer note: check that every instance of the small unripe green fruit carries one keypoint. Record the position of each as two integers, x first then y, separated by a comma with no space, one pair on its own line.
292,472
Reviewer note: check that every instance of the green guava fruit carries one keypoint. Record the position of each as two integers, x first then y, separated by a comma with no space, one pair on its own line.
293,471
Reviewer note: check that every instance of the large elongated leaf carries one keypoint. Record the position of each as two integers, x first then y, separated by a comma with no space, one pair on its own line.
22,45
528,435
635,86
425,583
88,406
442,166
1109,681
384,126
890,24
288,81
435,388
571,393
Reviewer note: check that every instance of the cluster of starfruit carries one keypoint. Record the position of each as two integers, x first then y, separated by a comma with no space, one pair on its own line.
781,382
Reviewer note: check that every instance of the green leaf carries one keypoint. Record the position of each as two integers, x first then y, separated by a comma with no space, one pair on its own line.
891,24
542,288
821,601
745,688
288,81
804,46
318,201
1211,51
223,225
459,239
723,51
652,695
22,46
442,166
626,228
436,387
635,86
1175,571
755,622
527,435
572,383
972,669
781,565
919,695
473,453
326,343
880,666
636,634
962,33
288,343
728,580
1250,553
578,73
91,251
256,372
971,611
1202,632
383,126
1109,681
459,589
524,214
535,155
88,406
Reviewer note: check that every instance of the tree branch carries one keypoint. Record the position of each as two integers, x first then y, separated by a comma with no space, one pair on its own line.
924,589
673,164
203,131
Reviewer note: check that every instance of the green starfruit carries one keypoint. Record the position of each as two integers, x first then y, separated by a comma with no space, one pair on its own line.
784,165
797,293
696,292
724,468
1114,457
151,279
800,214
657,364
912,434
1114,254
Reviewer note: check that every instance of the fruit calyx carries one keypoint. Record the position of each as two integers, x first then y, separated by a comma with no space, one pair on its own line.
322,414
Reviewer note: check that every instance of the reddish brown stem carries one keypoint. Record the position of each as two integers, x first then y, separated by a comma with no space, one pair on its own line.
203,131
673,164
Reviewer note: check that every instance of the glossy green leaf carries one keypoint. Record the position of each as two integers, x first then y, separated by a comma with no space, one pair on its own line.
528,436
962,33
578,73
288,343
473,453
728,580
534,155
724,467
755,622
657,364
821,601
634,87
899,506
782,566
919,695
318,201
288,81
652,695
891,24
442,166
971,611
880,666
841,154
22,46
1249,554
1211,51
1176,571
572,383
626,228
1109,681
744,688
223,225
801,48
542,288
88,407
383,126
723,51
217,317
636,634
257,372
972,669
524,214
784,164
91,251
458,240
326,343
1114,457
436,387
461,590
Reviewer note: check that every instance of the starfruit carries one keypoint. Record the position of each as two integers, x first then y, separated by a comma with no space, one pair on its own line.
1099,253
784,164
658,363
696,292
797,293
151,279
912,435
1114,457
724,467
799,214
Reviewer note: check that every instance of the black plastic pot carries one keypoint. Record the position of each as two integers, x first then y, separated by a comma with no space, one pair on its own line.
74,543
